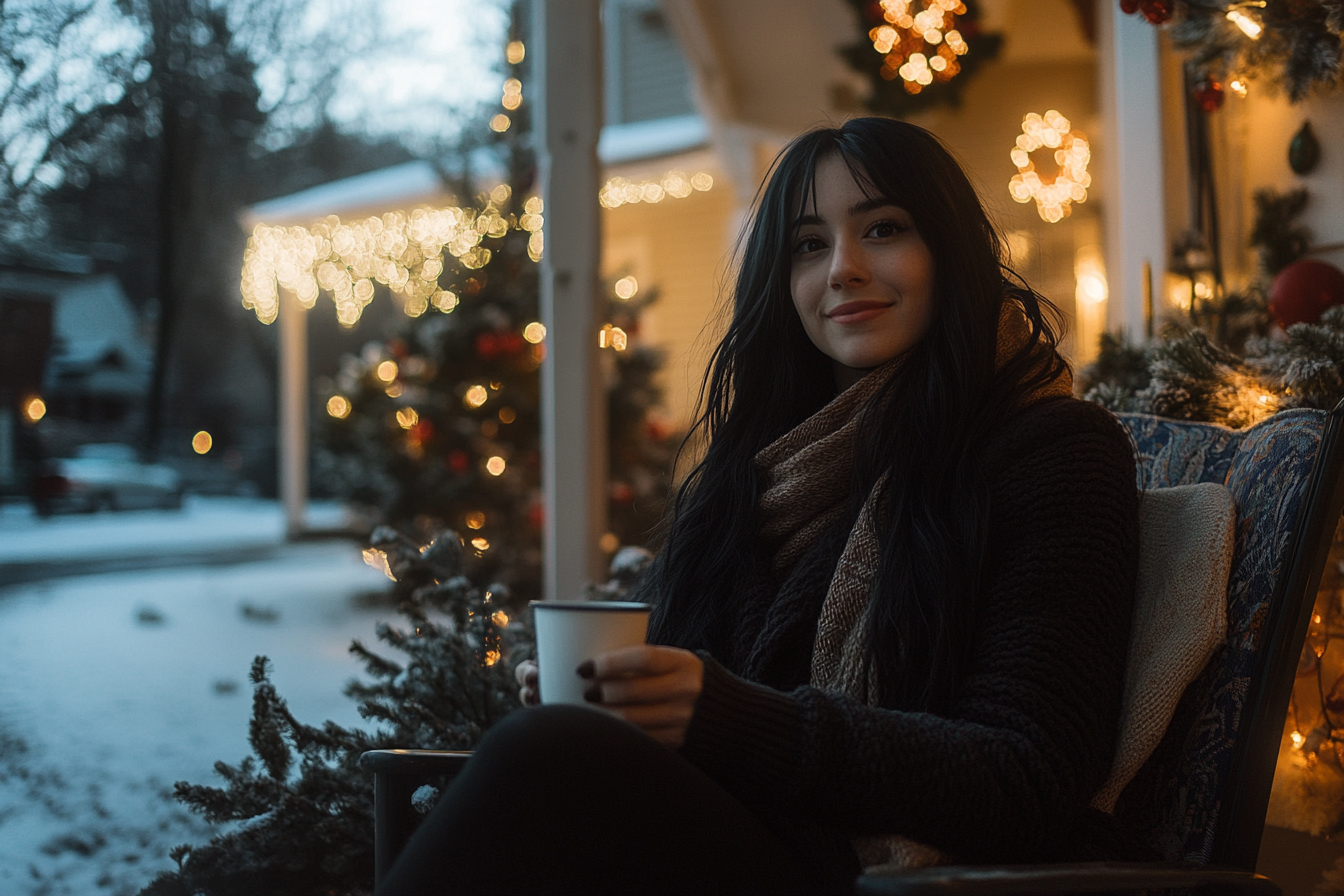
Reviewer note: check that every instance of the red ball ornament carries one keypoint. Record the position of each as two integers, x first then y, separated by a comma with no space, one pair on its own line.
1129,7
1157,12
1303,291
1209,95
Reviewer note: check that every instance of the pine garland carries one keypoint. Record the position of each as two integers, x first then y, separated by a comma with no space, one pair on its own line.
1299,48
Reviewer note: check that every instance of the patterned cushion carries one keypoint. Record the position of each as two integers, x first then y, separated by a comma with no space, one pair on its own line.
1175,797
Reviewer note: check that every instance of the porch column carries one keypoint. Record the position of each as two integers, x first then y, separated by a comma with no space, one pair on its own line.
567,43
293,447
1131,111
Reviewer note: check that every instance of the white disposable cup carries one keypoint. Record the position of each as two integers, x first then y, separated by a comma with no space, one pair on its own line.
571,631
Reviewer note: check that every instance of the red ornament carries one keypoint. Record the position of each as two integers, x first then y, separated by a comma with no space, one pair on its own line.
1129,7
1303,291
1209,95
622,493
458,461
1157,12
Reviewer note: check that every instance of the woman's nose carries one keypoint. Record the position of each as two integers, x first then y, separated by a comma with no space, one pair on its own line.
848,267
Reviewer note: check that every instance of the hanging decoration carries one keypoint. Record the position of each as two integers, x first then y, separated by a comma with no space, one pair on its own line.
1304,290
1209,95
1293,44
1054,198
1304,151
917,53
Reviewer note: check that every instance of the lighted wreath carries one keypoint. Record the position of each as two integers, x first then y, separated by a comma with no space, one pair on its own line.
912,51
1054,198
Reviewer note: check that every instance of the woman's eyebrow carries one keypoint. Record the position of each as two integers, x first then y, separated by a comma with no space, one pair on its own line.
857,208
870,204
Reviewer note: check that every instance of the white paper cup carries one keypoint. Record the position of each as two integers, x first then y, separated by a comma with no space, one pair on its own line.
571,631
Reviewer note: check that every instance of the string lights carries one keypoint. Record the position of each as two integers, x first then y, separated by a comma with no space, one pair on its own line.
1071,151
920,46
404,252
618,191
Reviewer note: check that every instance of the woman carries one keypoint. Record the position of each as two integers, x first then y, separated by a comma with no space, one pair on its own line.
892,604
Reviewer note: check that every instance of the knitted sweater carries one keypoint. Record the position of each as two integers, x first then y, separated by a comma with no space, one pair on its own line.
1007,773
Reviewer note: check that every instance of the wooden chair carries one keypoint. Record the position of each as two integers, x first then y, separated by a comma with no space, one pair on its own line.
1202,796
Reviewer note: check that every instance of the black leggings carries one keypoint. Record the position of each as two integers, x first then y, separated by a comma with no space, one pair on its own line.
563,799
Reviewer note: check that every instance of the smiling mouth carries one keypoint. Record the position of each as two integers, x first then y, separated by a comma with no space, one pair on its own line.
856,312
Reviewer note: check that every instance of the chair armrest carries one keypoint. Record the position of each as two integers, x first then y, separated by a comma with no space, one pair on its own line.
396,775
1045,880
423,763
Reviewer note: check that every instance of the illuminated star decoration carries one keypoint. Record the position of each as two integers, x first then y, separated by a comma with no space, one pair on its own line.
1070,183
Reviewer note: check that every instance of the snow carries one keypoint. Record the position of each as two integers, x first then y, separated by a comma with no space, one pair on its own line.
205,524
113,686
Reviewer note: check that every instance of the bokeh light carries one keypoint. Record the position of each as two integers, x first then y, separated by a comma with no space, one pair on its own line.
201,443
626,287
495,465
338,406
534,332
475,396
34,409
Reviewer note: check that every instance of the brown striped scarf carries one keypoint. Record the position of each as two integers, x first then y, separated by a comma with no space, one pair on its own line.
807,473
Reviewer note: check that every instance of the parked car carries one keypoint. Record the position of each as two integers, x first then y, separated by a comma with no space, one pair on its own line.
104,477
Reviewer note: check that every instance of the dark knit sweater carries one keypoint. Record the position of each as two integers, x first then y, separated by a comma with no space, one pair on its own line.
1007,773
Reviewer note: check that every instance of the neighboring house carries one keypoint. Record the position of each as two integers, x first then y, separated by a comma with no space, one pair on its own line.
93,372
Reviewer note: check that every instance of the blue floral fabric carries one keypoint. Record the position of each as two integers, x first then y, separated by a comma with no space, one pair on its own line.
1176,796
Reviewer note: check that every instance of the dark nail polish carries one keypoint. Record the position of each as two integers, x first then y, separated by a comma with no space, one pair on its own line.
586,669
593,694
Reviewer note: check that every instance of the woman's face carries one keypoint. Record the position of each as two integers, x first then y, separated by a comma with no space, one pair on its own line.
861,276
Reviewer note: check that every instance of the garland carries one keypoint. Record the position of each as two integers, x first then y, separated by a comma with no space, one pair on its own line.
1290,44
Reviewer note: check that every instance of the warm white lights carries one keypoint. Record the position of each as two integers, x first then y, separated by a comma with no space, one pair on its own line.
475,397
338,406
534,332
34,409
612,337
1248,25
920,46
407,253
201,443
495,465
618,191
1071,151
625,288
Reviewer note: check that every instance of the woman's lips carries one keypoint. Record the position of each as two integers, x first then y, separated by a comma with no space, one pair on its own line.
856,312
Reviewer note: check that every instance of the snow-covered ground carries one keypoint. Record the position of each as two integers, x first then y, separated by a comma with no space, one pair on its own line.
114,686
204,524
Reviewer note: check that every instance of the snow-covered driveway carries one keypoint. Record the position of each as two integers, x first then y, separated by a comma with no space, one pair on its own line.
113,686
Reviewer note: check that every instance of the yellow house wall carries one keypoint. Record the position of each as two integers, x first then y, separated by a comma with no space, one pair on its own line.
681,248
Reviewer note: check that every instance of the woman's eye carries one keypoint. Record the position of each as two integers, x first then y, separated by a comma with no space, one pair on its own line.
808,244
884,229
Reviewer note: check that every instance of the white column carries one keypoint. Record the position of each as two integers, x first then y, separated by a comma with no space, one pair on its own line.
1131,111
567,48
293,412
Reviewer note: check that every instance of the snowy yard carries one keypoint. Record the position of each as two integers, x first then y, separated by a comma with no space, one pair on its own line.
113,686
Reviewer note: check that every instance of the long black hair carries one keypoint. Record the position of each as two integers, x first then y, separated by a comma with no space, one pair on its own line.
926,428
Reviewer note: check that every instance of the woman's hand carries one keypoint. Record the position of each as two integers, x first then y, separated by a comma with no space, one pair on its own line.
653,688
529,690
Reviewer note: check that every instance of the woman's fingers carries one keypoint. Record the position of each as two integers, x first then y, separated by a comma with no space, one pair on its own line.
529,690
678,685
641,659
